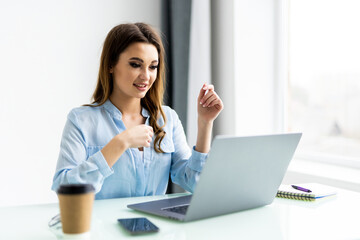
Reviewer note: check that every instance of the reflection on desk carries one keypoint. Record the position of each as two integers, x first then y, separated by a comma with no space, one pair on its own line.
283,219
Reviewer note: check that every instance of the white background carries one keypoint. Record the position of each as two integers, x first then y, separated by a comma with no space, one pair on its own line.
49,59
255,34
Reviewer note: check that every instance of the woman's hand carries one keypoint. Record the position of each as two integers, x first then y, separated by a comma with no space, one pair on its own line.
138,136
209,107
209,104
135,137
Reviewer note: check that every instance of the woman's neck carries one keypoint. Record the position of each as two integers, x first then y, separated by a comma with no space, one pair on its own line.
127,106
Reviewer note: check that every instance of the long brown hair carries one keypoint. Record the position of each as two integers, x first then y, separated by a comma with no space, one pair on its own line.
117,40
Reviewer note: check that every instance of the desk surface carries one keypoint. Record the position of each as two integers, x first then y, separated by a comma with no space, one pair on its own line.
336,218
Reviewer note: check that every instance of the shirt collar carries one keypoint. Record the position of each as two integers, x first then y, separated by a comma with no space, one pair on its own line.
114,111
145,113
110,107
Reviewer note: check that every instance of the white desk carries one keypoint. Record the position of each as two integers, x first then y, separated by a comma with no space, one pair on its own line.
337,218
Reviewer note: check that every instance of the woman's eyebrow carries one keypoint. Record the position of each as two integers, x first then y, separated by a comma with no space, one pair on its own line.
140,60
137,59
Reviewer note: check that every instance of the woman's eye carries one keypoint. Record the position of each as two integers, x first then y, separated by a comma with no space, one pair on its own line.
154,67
134,65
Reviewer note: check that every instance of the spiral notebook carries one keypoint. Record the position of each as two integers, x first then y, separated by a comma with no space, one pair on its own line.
317,191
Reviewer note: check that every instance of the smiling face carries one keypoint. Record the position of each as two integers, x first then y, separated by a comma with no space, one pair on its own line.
135,71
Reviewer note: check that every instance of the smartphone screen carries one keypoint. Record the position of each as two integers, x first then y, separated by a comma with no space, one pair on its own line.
138,225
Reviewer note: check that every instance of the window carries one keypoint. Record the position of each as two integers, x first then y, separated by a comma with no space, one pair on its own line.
324,79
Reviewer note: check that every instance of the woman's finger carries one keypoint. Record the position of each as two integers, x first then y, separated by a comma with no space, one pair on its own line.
214,103
207,96
210,94
210,100
210,87
202,92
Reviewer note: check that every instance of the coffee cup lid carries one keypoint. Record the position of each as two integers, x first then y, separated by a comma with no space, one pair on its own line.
75,188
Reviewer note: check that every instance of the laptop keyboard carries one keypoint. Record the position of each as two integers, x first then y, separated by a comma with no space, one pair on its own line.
177,209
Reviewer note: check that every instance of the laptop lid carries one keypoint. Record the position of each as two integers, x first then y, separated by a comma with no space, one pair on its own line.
241,173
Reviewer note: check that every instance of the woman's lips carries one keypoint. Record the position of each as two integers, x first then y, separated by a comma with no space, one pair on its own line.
141,87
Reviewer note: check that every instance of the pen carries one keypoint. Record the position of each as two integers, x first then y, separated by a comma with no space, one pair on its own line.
301,189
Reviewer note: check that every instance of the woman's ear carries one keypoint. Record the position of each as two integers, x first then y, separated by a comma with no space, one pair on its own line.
111,70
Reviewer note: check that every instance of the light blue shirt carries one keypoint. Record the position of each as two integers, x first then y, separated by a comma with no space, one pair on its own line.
89,129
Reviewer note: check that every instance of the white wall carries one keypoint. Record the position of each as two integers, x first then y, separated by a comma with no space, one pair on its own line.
254,33
245,69
222,61
199,61
49,57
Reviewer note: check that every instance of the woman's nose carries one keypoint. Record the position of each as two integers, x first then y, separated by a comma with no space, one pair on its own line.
145,75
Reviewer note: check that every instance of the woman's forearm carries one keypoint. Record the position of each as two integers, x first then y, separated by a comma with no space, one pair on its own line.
113,150
203,141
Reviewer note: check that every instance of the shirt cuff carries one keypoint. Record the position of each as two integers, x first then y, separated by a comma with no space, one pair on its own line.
197,160
101,163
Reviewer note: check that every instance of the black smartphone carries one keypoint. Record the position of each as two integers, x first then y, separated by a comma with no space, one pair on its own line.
138,225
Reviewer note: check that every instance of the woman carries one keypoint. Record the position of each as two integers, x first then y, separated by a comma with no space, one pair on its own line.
126,143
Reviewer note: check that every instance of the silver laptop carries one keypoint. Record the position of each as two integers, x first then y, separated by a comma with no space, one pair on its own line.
240,173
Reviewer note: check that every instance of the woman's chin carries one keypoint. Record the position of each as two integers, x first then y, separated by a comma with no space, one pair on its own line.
142,95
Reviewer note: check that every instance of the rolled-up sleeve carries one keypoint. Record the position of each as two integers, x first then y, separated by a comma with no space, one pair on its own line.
74,165
197,160
186,163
